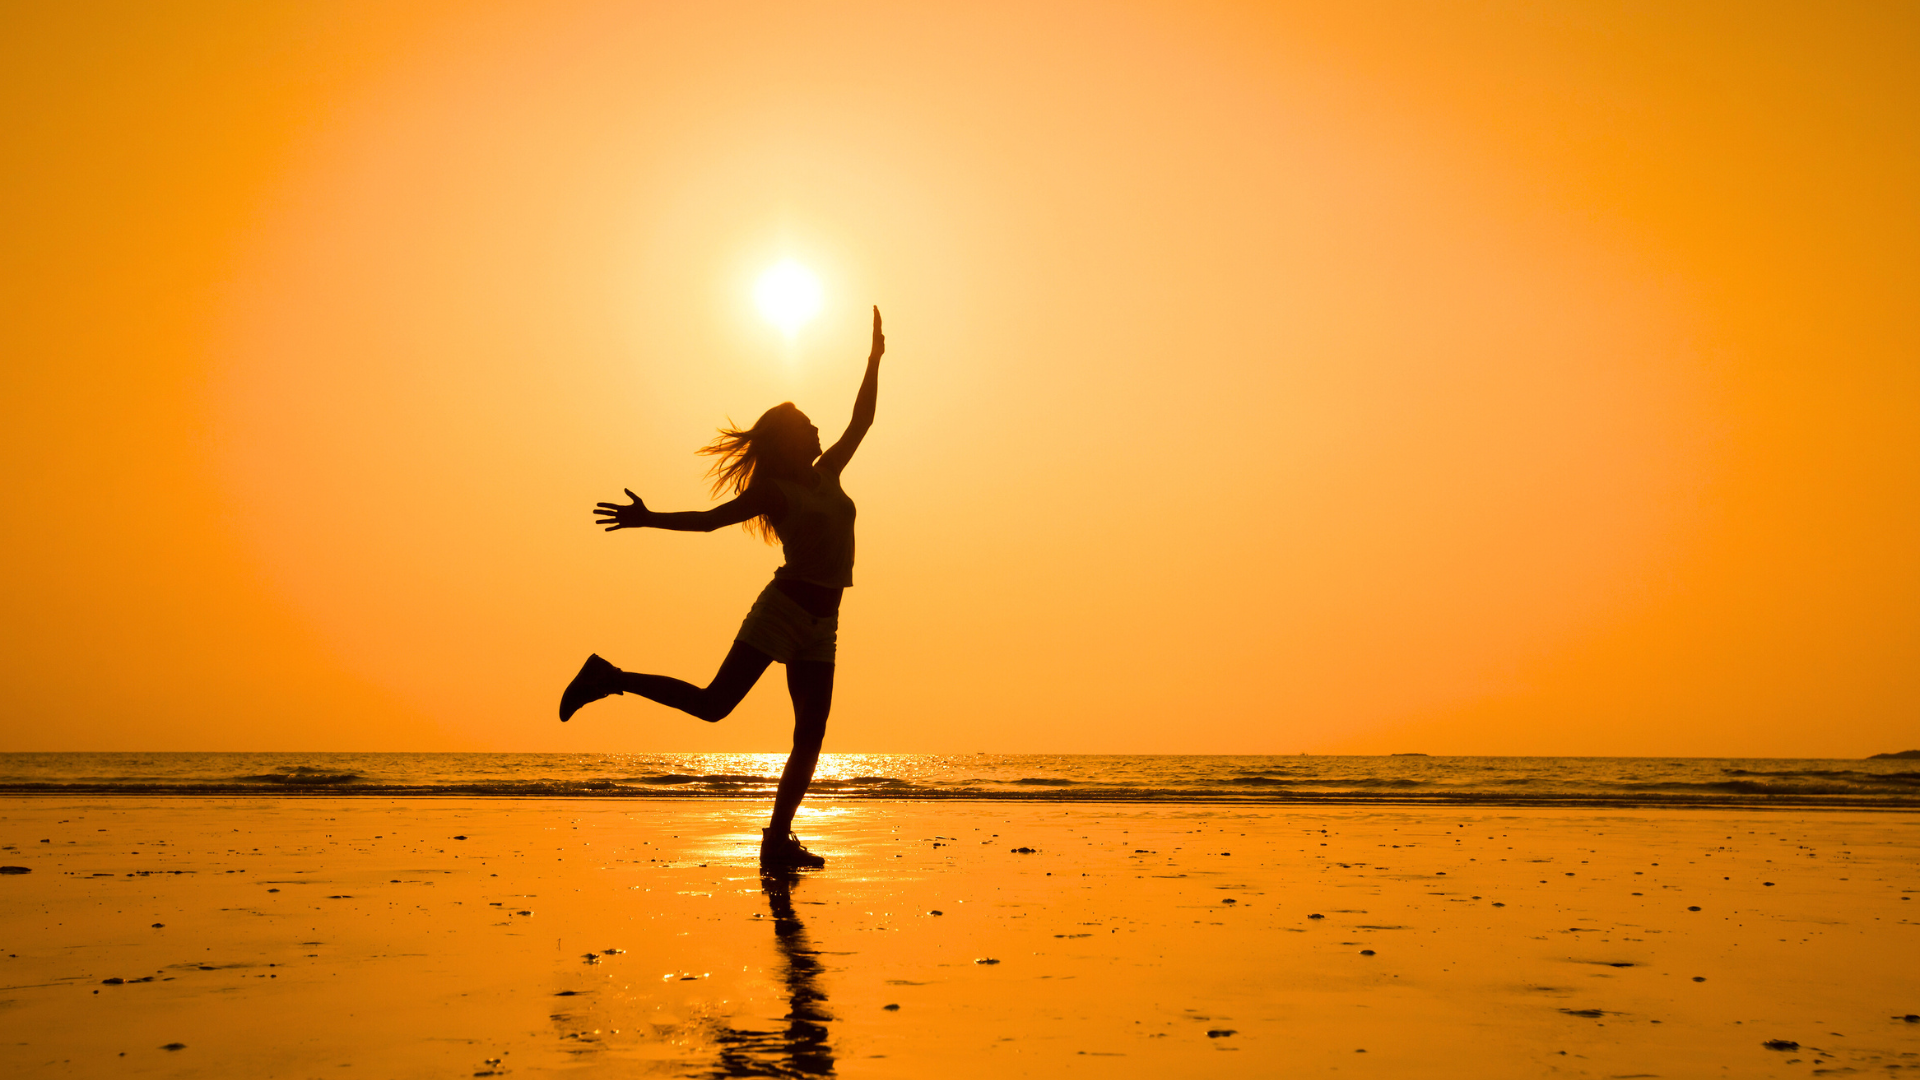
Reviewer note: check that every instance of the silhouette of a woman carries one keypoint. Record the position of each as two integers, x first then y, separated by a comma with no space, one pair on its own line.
784,488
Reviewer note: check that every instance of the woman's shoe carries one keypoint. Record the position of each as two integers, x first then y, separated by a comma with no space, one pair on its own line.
594,682
784,850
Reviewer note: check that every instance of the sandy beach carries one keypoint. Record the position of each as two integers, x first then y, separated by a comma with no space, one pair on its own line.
470,937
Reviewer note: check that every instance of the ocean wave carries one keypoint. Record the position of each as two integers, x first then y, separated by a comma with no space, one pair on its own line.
1742,787
688,778
300,774
1330,782
1272,780
1729,794
1855,776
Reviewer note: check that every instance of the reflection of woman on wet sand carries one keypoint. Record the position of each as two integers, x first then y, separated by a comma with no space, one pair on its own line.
802,1048
783,487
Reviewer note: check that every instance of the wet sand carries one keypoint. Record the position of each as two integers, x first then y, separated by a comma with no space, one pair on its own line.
470,937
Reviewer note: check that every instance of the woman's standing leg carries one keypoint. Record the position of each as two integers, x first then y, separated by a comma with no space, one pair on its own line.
810,683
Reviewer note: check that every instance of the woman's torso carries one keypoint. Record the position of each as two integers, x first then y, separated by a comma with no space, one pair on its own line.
816,533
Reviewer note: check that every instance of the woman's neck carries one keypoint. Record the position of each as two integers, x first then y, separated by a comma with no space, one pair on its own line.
802,474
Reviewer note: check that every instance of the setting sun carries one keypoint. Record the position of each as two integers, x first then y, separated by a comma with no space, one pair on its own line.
788,295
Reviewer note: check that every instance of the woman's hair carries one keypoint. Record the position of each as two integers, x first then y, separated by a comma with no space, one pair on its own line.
738,454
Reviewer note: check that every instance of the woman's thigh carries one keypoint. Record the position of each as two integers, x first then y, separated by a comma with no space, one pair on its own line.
738,672
810,684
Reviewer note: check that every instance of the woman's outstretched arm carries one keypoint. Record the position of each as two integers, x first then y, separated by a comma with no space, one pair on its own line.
752,503
837,456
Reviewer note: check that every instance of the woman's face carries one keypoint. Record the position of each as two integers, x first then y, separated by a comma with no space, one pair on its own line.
799,442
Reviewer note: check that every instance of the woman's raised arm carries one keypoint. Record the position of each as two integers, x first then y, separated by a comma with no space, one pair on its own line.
837,456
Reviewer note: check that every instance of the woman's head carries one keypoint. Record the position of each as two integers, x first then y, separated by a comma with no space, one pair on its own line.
783,440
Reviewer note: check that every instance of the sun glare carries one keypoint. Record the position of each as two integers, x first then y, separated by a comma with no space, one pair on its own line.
788,295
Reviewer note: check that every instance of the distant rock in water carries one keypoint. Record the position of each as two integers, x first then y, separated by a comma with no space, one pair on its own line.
1904,755
1414,753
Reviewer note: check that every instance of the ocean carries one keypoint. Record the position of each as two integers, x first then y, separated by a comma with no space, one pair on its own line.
1404,779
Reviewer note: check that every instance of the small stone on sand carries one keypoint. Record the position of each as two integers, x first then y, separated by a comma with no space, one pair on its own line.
1781,1044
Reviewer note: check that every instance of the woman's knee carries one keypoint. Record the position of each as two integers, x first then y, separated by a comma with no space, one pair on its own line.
809,735
714,705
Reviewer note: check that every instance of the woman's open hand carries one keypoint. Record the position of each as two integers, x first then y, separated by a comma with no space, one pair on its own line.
879,339
615,516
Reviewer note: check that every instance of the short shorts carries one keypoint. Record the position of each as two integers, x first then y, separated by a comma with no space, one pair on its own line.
781,628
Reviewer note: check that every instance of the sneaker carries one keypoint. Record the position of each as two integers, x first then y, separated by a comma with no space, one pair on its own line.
594,682
785,850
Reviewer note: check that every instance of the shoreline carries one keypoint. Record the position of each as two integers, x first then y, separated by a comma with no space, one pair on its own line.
1462,802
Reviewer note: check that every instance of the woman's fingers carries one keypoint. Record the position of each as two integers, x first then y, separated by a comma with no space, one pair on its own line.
631,495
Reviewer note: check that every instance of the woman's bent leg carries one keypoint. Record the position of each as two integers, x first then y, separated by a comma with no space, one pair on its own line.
810,682
738,672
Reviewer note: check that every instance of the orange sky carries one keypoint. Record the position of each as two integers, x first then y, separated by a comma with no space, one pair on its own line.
1339,377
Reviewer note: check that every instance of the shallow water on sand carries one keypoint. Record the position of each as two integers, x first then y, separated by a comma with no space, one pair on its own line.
406,937
1408,778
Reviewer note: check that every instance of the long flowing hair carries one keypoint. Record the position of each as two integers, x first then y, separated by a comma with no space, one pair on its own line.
738,453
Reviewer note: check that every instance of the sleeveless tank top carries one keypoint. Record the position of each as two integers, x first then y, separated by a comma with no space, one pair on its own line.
816,533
